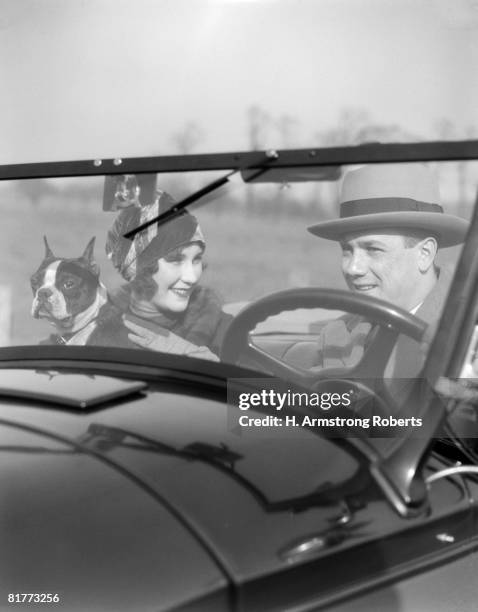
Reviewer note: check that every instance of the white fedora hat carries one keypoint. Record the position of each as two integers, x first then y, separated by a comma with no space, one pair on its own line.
392,197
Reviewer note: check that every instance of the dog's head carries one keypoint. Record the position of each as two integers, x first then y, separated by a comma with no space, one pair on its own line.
64,289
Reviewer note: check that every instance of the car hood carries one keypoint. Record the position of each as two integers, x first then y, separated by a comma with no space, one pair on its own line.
166,473
84,530
273,489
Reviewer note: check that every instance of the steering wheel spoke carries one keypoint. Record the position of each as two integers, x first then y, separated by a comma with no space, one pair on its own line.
257,357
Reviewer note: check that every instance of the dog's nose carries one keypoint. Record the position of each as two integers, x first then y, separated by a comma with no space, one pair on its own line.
44,293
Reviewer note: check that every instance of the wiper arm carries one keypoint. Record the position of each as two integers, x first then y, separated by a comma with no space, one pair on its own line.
175,210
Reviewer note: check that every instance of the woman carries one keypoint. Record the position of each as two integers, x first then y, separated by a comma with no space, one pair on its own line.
165,307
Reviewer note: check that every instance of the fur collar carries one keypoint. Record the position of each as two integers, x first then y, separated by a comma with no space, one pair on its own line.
197,324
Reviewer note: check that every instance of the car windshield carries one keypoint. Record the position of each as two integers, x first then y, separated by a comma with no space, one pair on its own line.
177,285
332,74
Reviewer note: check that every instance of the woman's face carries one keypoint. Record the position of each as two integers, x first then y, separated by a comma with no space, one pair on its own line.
178,273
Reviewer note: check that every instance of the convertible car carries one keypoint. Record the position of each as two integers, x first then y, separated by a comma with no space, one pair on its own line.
134,479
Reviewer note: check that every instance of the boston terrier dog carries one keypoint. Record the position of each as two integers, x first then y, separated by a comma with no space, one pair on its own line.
69,294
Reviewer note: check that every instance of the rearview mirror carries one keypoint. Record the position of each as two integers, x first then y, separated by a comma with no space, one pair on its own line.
293,174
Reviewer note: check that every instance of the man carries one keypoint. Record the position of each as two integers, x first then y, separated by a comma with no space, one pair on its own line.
389,230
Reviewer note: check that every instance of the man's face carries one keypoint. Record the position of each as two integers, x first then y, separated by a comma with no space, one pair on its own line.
380,265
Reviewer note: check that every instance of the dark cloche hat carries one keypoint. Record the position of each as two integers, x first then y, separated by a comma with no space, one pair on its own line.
157,240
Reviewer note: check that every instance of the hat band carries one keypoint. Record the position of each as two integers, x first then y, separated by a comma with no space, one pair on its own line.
372,206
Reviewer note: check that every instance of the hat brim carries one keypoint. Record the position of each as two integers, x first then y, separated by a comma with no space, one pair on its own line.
450,230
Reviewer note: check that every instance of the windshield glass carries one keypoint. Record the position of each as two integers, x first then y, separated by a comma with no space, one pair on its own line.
177,286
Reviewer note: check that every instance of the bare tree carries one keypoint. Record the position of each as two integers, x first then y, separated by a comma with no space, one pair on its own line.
187,139
36,189
258,124
356,126
446,130
287,125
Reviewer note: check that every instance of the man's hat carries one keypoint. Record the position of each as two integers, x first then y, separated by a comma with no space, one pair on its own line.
392,197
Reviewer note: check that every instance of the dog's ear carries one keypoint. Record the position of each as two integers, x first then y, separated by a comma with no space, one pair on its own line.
48,251
88,256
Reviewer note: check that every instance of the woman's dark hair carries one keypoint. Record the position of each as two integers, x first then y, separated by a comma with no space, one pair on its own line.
144,285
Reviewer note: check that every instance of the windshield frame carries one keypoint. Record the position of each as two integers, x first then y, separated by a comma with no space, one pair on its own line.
249,160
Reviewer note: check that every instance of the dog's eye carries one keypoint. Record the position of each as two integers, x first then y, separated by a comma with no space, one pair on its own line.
69,284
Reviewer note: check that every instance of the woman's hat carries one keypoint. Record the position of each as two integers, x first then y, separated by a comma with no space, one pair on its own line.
392,197
129,256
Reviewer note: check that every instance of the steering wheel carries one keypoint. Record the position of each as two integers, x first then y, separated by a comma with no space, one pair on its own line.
391,321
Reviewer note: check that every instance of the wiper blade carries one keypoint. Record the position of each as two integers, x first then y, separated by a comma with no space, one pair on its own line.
176,210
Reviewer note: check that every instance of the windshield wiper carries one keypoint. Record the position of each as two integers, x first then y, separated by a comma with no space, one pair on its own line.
176,210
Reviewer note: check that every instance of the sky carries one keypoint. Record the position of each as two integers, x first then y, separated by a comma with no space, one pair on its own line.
84,79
